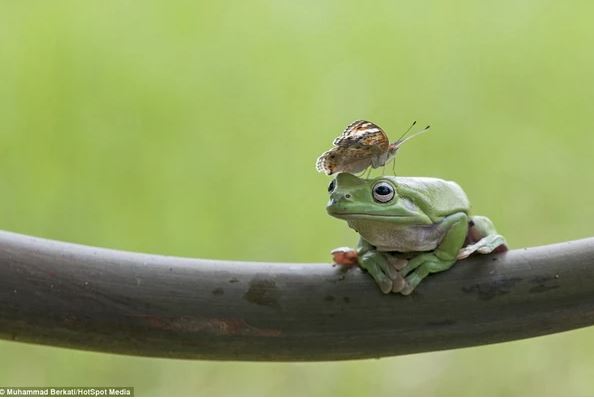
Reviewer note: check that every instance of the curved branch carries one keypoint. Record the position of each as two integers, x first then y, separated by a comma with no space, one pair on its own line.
82,297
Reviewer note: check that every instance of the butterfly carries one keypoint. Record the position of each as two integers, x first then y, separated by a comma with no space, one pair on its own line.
361,145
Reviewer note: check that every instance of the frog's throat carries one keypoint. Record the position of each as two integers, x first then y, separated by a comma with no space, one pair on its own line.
388,236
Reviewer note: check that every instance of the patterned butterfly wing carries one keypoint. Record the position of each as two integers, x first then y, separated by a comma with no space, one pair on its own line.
344,159
362,133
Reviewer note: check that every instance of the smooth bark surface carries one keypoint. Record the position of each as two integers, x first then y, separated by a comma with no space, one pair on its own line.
76,296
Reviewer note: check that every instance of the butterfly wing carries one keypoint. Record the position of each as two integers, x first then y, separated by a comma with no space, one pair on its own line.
364,134
344,159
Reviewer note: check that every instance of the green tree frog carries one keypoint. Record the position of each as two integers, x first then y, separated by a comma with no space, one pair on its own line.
409,227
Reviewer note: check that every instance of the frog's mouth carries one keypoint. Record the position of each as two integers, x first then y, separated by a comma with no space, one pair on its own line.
364,215
392,218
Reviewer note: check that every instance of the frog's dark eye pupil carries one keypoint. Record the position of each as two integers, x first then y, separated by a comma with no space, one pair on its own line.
332,186
383,192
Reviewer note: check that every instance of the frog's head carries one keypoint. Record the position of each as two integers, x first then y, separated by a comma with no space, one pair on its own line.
372,199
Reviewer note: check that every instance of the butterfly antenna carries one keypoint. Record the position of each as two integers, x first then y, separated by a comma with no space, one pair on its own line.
404,140
407,130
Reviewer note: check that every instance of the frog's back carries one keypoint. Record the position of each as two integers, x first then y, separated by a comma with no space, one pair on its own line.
436,197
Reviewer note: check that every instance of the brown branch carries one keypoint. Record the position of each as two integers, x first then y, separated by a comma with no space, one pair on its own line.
75,296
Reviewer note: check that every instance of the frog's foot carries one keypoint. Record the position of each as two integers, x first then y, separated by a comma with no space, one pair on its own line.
420,267
344,256
380,269
397,264
398,284
486,245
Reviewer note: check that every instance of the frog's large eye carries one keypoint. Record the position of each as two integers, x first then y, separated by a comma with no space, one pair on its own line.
332,186
383,192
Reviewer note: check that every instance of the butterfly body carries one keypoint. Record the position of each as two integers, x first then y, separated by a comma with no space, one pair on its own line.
361,145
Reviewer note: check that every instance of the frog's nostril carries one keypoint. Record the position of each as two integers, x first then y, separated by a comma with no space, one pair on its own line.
347,196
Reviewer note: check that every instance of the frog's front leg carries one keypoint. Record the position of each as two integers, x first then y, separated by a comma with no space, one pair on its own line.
442,258
380,267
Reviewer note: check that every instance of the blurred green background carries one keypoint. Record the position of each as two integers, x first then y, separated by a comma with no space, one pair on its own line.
191,128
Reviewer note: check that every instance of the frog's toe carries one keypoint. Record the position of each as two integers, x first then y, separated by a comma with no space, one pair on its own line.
486,245
385,285
464,253
392,272
394,266
398,284
344,256
407,288
414,278
493,249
